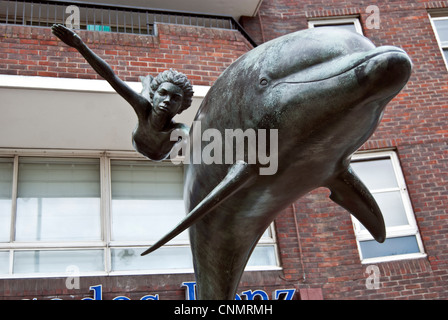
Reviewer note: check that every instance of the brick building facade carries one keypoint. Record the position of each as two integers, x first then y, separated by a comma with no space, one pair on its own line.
321,253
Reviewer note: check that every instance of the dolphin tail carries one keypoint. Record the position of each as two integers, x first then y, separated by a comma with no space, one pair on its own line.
238,177
349,192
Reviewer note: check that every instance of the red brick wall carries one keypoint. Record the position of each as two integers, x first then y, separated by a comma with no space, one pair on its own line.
415,124
201,53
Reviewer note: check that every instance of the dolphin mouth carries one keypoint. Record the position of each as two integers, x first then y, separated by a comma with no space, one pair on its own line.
340,65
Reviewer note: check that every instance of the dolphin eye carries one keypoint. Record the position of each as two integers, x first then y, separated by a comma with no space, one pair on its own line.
263,81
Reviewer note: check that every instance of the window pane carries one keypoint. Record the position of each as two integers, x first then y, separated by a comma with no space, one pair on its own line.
445,53
263,255
4,262
63,219
391,205
58,200
147,200
6,174
267,234
162,259
442,29
58,261
5,220
144,180
146,220
376,174
346,26
390,247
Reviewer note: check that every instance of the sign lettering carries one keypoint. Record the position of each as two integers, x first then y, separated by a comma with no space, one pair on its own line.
190,294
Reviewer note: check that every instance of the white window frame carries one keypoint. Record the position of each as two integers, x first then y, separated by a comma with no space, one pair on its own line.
105,243
332,21
442,45
391,232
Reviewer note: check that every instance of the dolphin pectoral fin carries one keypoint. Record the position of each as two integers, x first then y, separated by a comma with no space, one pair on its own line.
238,176
351,194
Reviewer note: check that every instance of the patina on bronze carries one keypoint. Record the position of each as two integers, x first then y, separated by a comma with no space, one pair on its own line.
324,90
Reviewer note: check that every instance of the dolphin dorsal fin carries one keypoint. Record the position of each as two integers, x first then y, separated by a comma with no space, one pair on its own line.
239,176
349,192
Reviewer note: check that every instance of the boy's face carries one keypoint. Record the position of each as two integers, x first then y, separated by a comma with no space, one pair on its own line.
167,100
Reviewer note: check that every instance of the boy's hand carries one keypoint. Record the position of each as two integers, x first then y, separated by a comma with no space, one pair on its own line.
67,36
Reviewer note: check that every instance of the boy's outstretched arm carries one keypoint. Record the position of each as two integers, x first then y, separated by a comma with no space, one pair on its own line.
71,39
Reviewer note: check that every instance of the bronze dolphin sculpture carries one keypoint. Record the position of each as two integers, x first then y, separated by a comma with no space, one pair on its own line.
324,90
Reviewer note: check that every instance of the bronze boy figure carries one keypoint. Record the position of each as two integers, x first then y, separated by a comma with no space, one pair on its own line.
170,93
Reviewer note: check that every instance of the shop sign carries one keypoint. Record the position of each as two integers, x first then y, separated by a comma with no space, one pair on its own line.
190,294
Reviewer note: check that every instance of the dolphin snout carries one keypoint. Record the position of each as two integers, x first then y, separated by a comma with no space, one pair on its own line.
386,70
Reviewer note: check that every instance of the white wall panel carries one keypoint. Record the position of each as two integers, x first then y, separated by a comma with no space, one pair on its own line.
87,115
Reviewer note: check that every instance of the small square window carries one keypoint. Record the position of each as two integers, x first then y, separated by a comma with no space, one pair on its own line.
351,24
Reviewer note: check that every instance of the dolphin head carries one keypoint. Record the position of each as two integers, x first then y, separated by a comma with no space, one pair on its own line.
323,83
322,53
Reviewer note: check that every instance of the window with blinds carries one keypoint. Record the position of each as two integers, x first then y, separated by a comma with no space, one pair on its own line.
58,200
96,214
151,195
